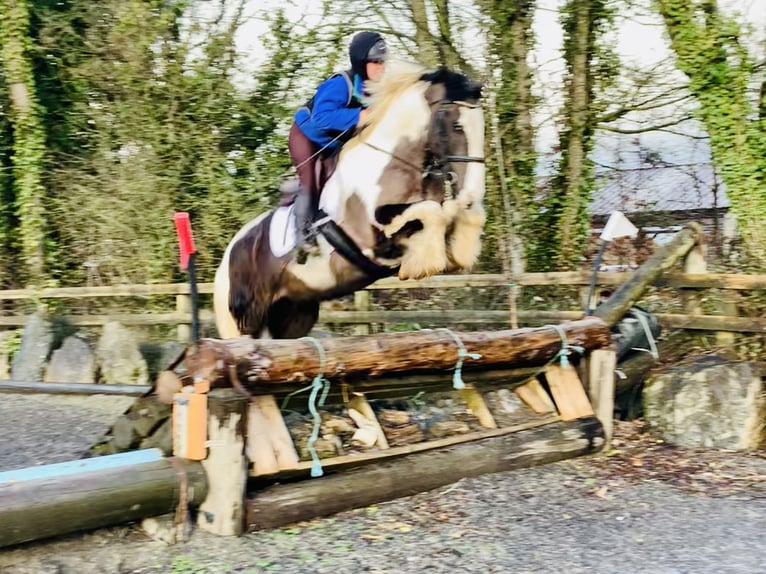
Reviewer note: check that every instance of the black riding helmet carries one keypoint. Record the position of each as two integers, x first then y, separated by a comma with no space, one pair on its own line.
366,47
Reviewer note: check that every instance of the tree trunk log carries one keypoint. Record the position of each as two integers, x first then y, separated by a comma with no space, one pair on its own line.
55,499
614,308
259,365
284,504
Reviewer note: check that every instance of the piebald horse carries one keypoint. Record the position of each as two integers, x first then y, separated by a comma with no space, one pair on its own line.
406,198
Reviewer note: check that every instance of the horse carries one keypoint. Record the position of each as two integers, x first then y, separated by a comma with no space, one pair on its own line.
405,198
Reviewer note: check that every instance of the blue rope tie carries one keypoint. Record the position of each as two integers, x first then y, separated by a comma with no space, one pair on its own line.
462,355
319,382
566,348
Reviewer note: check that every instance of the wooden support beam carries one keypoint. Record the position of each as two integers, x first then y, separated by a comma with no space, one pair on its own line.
476,404
283,504
55,499
226,465
601,366
269,445
534,395
568,392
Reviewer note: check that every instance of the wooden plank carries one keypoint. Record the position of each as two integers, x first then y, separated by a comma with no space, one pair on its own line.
279,435
476,404
359,459
713,323
736,281
601,387
568,392
534,395
359,403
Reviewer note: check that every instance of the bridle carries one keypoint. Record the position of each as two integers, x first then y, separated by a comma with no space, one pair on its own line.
436,165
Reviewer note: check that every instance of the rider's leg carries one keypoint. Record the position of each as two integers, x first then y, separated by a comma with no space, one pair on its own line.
302,153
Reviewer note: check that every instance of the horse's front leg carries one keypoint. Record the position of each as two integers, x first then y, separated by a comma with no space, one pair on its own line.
425,251
464,241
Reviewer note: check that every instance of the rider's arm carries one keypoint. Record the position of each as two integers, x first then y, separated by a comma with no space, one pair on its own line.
330,112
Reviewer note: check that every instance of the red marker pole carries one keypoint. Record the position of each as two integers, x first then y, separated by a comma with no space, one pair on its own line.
188,253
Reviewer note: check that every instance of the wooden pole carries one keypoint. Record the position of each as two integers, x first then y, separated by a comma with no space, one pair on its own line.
259,365
50,500
73,388
625,296
284,504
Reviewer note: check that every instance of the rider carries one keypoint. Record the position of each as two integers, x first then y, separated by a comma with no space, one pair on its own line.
326,122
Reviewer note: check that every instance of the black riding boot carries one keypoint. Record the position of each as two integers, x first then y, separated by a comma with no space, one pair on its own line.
305,234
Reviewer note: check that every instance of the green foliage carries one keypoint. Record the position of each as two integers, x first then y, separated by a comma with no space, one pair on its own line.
144,119
561,228
723,79
28,135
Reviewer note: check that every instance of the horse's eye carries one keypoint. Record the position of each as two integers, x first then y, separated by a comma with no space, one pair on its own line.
457,127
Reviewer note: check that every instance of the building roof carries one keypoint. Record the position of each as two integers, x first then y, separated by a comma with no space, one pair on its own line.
658,189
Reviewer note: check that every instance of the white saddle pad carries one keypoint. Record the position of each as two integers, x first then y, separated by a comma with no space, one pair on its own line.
282,231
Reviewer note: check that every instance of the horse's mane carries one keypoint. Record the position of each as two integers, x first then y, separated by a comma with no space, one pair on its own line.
398,77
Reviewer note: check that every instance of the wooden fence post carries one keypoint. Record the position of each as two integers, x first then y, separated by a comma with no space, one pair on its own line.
183,308
601,366
694,262
362,303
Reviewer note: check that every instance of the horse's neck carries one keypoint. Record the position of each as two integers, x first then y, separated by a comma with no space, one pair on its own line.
362,163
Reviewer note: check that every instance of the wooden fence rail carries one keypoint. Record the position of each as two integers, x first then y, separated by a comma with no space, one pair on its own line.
362,315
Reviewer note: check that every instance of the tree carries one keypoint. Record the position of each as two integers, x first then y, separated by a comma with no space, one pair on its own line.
512,132
724,80
28,136
564,223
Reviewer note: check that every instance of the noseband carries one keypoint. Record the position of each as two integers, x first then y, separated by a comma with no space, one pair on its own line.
437,166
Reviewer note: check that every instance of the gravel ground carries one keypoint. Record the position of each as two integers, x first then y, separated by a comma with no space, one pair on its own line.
641,507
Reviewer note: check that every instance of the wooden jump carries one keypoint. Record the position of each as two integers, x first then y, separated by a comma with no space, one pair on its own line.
564,373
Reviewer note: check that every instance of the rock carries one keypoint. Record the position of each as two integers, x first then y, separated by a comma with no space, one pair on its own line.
159,356
74,362
118,357
707,402
29,362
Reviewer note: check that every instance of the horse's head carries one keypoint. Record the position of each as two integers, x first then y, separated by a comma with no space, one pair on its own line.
455,141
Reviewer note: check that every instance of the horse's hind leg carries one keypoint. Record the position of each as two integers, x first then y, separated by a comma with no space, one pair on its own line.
288,319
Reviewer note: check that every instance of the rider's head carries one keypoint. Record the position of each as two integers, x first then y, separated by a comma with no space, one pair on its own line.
367,53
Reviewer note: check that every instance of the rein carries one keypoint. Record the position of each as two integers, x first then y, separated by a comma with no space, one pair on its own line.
437,166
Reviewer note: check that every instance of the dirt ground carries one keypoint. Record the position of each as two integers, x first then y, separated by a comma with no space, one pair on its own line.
639,507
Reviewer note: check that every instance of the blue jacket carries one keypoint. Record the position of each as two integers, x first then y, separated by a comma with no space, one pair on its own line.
332,111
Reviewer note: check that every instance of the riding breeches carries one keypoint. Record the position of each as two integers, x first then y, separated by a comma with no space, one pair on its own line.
303,153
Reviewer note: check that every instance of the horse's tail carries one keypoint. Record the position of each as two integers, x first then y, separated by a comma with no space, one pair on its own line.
242,293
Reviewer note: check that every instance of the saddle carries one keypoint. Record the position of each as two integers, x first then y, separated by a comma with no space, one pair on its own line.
324,167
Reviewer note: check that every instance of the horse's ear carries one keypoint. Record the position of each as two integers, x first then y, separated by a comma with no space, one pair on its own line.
474,88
